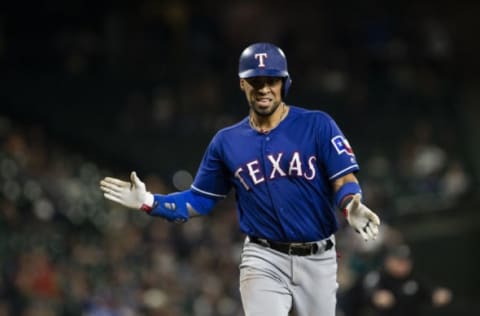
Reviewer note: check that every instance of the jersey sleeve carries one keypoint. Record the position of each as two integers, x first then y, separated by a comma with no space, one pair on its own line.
338,157
212,178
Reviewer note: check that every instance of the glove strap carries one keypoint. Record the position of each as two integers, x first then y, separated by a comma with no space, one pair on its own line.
149,204
343,204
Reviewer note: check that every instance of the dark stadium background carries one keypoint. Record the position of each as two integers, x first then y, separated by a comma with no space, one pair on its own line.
96,88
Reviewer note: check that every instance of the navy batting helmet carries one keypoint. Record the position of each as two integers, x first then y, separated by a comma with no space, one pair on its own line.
264,60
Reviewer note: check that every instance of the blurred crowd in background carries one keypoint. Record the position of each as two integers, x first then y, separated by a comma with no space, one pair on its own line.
90,89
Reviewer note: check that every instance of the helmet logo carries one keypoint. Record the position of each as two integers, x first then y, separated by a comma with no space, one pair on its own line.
261,58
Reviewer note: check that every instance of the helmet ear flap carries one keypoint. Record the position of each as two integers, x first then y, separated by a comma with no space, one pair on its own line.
287,82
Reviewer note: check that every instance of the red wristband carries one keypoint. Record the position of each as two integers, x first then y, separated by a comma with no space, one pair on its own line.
344,202
146,208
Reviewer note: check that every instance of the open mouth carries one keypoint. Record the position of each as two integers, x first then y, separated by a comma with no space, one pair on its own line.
263,101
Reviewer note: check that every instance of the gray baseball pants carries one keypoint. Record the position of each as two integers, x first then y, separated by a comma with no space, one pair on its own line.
275,284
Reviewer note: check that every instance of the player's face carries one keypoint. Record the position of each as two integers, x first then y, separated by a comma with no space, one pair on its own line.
264,94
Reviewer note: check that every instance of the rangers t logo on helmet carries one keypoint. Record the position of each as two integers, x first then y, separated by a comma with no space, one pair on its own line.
261,57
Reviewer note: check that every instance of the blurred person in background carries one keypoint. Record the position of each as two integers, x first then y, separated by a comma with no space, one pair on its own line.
394,289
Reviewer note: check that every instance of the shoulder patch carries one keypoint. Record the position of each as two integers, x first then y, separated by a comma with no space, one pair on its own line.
341,145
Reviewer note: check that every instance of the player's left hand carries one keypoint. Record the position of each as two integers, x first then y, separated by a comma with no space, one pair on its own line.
361,218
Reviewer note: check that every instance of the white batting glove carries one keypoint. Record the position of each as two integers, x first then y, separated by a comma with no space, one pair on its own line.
131,194
361,218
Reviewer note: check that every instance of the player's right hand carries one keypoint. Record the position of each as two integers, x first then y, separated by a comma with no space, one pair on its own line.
131,194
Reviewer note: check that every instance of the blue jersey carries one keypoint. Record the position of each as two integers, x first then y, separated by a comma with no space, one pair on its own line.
282,179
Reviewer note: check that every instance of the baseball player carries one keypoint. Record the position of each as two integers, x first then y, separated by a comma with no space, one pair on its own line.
290,168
